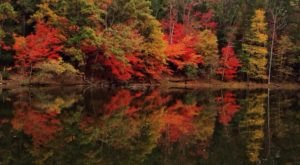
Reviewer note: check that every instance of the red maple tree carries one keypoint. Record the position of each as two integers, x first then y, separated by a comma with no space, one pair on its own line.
229,63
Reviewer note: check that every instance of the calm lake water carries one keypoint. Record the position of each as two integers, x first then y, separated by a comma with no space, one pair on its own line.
151,126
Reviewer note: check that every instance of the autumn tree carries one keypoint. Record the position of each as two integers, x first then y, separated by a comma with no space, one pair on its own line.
228,64
208,47
154,58
142,55
43,44
78,20
182,53
185,22
207,44
278,21
111,57
255,49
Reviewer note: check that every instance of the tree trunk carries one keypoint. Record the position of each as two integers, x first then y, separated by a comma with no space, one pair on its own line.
272,48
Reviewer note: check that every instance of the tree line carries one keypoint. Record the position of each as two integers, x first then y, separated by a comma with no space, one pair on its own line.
143,40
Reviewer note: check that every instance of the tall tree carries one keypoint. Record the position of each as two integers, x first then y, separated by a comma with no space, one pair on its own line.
255,47
278,16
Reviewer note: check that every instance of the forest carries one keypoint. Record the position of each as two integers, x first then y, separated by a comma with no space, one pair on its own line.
127,41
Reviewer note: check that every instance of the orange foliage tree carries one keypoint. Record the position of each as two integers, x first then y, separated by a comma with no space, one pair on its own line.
181,51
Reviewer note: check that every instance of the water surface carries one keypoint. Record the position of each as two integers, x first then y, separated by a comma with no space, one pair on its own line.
81,125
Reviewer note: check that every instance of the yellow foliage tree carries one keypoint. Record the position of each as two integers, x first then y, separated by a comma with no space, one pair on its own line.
208,47
255,48
155,44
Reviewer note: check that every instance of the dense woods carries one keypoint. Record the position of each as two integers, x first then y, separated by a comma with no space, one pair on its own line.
149,40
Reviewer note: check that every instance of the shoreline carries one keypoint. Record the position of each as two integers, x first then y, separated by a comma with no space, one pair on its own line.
216,84
164,84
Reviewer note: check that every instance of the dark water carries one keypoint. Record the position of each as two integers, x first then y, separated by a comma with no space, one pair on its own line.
119,126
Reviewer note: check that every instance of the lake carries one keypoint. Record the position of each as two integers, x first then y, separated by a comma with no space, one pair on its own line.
85,125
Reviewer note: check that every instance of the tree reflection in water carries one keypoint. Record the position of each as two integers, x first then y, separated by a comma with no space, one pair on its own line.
122,126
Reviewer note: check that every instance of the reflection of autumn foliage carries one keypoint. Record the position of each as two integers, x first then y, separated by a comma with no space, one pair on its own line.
54,104
253,126
132,102
126,124
40,125
151,118
126,102
179,119
227,107
120,100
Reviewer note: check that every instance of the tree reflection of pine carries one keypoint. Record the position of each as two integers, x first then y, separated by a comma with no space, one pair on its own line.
253,126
